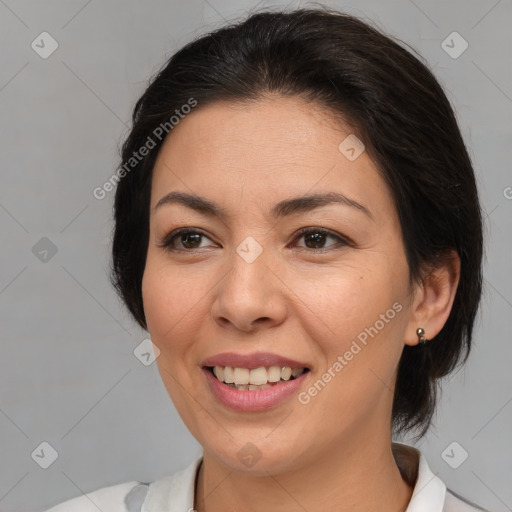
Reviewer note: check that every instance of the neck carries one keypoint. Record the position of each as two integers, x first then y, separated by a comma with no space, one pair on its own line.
361,479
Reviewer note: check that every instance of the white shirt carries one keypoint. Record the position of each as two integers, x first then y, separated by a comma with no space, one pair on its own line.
175,493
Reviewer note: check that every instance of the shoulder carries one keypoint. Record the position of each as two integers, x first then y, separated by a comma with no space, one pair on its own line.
174,491
456,503
429,491
115,498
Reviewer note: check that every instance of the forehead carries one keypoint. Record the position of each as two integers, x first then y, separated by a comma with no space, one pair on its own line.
264,151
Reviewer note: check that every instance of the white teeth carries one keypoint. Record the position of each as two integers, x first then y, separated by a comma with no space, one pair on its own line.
255,379
286,373
241,375
258,376
229,374
274,374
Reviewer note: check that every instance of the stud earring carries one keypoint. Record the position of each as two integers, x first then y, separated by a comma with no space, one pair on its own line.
421,336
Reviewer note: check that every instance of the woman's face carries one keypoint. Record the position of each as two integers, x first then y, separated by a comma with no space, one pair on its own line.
248,288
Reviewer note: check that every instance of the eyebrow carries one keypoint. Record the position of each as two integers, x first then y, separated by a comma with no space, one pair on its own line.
282,209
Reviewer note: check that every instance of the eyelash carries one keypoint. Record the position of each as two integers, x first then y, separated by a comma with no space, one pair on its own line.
168,240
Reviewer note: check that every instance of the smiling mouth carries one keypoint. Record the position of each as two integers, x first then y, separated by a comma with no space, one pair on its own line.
256,379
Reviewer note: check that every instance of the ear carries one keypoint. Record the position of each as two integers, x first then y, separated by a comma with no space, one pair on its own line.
433,297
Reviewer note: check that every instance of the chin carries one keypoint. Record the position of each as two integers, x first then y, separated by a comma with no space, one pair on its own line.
255,458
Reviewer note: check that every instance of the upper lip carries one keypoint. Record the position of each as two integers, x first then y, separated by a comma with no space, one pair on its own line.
251,361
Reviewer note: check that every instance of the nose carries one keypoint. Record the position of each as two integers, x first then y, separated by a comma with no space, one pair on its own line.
250,297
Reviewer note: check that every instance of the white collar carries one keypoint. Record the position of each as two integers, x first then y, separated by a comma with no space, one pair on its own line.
429,491
175,493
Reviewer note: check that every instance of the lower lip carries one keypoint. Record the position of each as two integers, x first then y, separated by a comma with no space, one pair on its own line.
257,400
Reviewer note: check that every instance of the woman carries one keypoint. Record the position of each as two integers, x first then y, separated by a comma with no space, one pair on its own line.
305,251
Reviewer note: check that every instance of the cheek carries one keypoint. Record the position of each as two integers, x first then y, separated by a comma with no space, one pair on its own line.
355,317
171,302
341,303
173,310
369,325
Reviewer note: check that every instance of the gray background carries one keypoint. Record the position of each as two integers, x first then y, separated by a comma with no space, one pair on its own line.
69,376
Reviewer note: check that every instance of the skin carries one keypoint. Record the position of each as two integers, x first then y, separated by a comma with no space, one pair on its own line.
333,453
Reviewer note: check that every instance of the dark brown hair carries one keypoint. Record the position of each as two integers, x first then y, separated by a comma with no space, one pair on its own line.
395,106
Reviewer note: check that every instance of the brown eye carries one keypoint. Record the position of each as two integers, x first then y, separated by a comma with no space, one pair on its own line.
183,239
315,238
190,240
